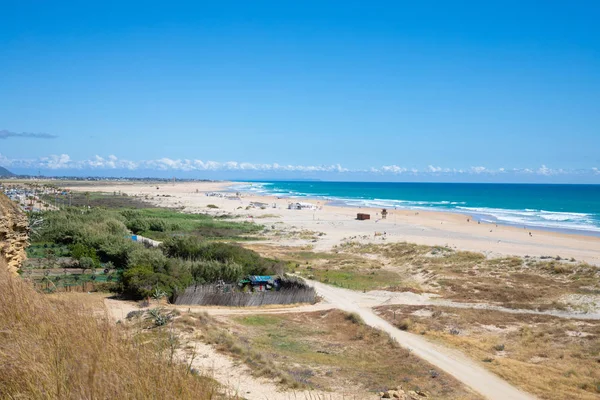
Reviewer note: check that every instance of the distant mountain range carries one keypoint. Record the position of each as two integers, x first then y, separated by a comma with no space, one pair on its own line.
4,172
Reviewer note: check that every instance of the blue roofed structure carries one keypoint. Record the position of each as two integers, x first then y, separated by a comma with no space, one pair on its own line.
257,279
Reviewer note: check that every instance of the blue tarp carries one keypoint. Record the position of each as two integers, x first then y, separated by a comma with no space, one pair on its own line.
260,279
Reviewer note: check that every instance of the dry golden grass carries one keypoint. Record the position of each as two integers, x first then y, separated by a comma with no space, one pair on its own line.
55,349
550,357
467,276
337,351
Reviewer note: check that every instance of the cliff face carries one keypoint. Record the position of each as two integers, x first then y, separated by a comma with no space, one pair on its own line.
13,234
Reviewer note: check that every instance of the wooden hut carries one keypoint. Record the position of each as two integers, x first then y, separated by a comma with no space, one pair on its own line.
363,216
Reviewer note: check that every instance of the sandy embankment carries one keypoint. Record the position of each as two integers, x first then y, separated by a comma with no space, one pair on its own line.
338,223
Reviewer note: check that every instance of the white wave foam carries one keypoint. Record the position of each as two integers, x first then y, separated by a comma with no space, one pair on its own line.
525,217
539,218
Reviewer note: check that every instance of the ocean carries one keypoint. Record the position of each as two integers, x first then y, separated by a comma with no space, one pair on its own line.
563,208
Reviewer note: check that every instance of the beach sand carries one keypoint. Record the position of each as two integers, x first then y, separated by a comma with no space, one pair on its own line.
339,223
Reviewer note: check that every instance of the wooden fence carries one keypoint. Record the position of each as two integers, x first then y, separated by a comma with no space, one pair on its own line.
228,296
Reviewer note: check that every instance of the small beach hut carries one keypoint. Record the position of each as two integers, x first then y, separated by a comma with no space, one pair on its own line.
261,283
363,216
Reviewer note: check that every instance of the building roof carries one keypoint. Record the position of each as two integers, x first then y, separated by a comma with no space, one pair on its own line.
260,278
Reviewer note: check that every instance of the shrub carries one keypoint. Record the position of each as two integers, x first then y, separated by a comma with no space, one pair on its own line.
404,324
192,248
355,318
157,225
138,225
140,282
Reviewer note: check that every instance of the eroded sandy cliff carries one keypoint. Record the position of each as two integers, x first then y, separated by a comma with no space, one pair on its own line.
13,234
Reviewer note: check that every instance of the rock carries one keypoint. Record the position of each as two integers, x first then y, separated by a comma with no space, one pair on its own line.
413,395
386,395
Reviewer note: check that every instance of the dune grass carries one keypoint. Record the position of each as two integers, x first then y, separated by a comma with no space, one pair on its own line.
515,282
323,349
52,348
553,358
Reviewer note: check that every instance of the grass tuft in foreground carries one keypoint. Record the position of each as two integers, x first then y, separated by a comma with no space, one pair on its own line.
55,349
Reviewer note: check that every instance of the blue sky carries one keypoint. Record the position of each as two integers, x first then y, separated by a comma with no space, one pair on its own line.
344,90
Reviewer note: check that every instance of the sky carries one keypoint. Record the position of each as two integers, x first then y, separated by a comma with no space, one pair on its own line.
465,91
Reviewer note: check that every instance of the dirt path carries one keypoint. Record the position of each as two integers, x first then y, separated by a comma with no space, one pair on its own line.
238,379
232,374
376,298
118,309
451,361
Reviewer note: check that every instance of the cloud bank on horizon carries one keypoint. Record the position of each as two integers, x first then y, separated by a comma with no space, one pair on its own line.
64,162
5,134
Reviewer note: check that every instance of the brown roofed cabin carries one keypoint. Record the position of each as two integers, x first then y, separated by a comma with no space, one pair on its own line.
362,216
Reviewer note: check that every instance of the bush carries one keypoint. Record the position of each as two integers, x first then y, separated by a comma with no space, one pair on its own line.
140,282
138,225
192,248
157,225
355,318
212,271
87,263
147,257
404,325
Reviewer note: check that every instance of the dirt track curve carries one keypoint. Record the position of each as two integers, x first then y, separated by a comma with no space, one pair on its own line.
453,362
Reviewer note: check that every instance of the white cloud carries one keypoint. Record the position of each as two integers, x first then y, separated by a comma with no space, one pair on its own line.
394,169
56,161
112,162
543,170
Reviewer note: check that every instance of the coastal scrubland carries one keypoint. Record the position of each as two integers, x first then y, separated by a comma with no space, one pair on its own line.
541,283
314,352
516,282
551,357
196,249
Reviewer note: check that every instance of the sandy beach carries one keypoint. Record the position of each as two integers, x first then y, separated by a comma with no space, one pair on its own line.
339,223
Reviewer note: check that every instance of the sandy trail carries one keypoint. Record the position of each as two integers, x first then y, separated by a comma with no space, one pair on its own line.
233,374
238,377
453,362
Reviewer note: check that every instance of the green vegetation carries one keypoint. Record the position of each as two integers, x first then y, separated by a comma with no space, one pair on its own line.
355,278
160,224
90,238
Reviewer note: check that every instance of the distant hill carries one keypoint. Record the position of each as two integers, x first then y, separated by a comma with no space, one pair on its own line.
4,172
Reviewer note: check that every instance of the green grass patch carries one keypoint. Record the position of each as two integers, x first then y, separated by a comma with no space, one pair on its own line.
356,279
258,320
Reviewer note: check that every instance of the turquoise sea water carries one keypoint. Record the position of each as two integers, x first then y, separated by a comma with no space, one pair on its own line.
571,208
